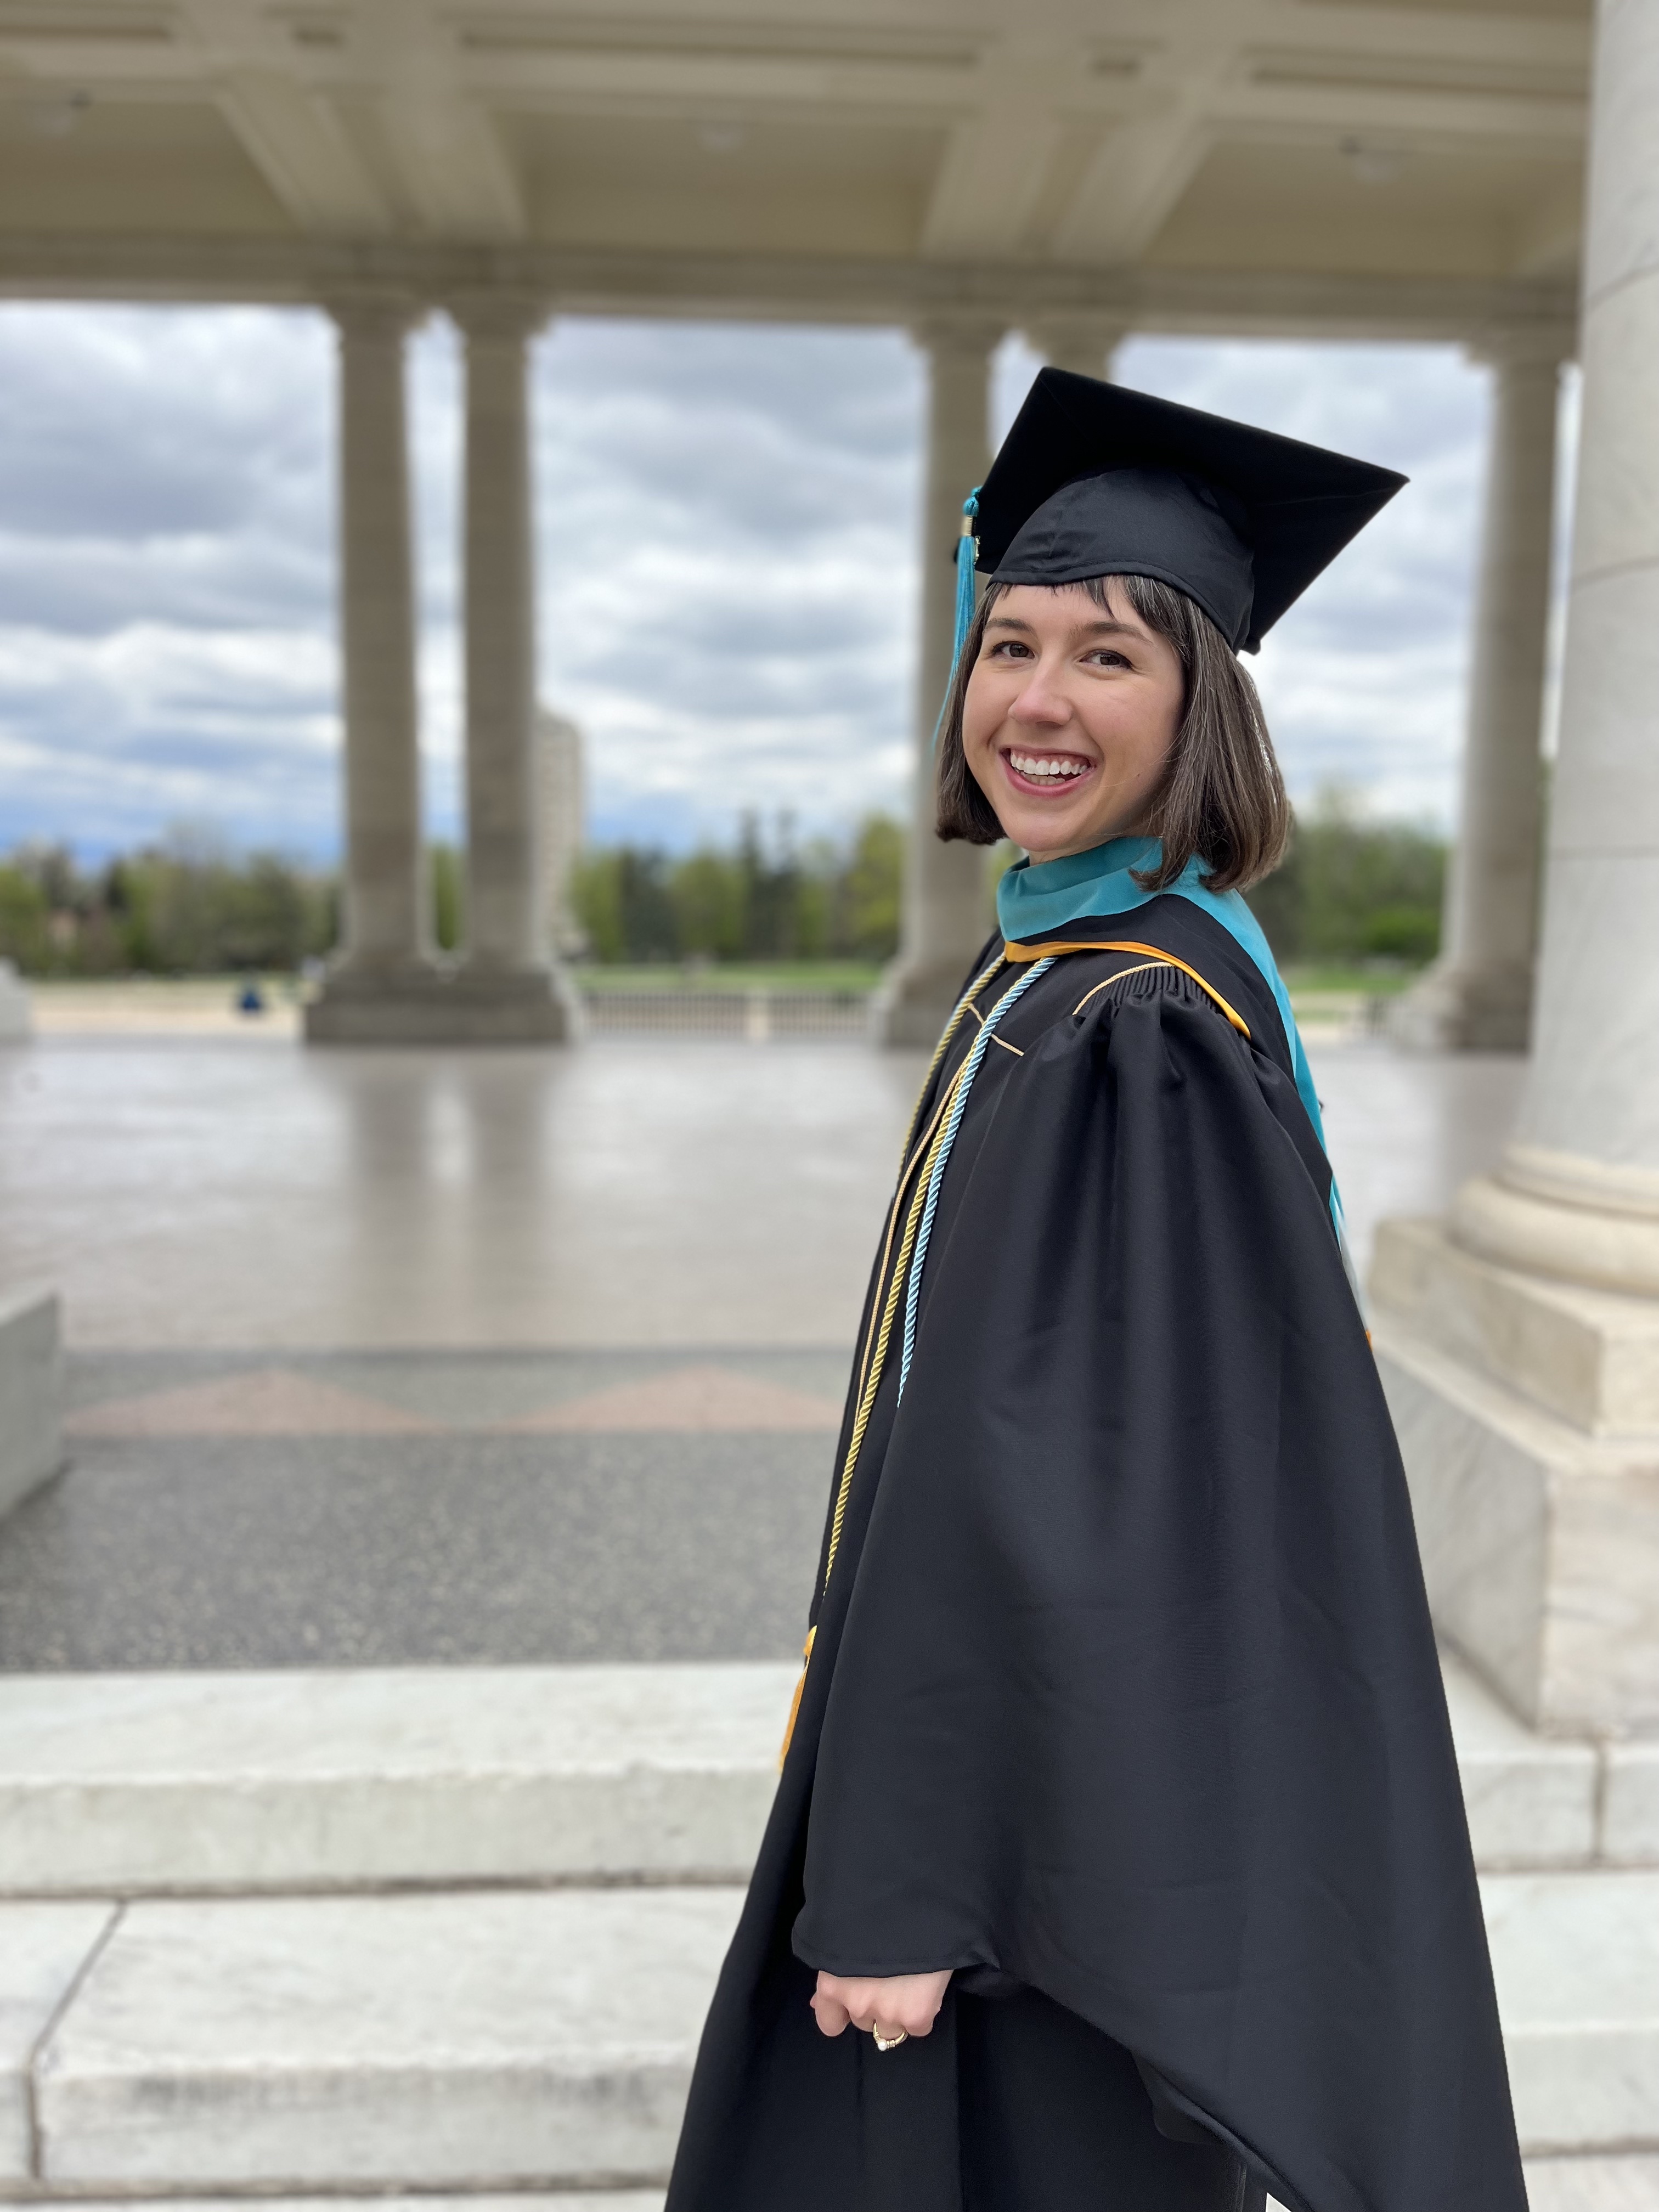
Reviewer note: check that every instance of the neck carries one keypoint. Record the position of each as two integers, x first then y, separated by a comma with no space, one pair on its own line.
1095,844
1100,846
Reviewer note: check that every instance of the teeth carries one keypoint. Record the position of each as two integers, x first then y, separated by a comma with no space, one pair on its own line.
1030,764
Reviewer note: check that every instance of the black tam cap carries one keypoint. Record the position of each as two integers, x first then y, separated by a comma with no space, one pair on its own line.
1094,480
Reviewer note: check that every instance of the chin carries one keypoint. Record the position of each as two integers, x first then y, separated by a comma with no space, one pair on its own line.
1049,832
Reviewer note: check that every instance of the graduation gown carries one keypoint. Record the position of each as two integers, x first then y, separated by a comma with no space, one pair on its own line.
1123,1701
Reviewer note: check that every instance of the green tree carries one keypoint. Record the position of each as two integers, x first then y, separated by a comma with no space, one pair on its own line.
595,894
1353,889
188,907
873,885
646,906
24,916
763,900
449,898
708,900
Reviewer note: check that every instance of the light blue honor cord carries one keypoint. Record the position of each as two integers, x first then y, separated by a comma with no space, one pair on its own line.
970,1070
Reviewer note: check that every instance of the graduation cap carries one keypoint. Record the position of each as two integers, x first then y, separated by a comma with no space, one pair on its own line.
1094,480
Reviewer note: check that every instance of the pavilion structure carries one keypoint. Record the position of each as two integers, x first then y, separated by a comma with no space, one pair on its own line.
1075,170
1485,173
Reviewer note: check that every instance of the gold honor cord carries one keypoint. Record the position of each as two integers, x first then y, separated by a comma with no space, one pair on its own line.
920,1152
923,1150
1019,952
889,1307
1142,968
872,1379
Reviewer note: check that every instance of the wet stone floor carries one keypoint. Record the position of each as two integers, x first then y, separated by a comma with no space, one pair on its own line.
382,1358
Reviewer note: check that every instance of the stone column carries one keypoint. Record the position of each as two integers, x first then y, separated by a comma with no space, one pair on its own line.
386,946
506,977
947,908
1478,995
1522,1343
1084,343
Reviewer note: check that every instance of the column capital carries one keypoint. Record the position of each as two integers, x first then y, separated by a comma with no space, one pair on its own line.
380,313
1077,335
966,334
497,313
1523,345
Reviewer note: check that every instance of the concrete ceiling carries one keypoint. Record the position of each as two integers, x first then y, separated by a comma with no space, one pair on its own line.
1137,142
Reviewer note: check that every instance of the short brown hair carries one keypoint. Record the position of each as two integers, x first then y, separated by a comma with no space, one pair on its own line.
1221,796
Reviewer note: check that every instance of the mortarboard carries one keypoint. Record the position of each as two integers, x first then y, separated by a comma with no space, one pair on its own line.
1096,480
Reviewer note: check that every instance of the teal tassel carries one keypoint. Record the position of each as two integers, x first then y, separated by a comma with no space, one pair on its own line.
967,559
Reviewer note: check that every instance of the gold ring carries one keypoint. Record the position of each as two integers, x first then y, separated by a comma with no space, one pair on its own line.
890,2042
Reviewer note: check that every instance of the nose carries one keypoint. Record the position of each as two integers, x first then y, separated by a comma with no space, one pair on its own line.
1038,704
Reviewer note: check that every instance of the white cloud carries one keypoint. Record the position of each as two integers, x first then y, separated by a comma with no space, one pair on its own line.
727,520
729,567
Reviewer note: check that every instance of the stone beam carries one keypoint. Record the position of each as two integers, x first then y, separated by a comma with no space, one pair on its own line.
1134,182
1553,46
1412,114
299,147
1547,240
830,290
452,164
1364,49
1145,163
989,181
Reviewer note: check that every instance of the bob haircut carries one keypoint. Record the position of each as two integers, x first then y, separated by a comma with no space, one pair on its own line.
1221,796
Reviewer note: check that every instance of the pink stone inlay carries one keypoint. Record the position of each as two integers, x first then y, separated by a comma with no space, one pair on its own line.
271,1401
690,1398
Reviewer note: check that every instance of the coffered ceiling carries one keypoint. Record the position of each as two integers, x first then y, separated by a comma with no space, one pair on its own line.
1283,139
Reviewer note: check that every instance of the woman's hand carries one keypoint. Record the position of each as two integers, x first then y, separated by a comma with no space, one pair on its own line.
907,2003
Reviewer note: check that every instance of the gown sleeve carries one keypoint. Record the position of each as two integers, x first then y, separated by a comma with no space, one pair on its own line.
1136,1700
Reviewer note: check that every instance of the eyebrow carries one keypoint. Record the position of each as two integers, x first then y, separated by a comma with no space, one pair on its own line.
1101,628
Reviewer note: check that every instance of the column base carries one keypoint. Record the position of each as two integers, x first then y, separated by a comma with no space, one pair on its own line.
16,1016
1553,1213
1452,1009
1527,1414
461,1006
912,1005
31,1394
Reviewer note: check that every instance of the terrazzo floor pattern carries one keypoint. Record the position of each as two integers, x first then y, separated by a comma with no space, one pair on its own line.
228,1511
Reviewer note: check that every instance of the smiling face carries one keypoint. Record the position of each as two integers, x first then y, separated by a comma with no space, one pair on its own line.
1069,715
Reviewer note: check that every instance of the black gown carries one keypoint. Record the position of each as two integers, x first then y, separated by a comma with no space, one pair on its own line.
1123,1701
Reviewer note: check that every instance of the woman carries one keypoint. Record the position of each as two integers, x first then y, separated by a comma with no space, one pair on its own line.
1118,1862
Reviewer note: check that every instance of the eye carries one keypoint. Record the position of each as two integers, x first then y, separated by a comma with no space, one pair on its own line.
1107,656
1009,648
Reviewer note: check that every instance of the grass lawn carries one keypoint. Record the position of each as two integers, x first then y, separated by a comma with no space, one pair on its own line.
1369,979
760,976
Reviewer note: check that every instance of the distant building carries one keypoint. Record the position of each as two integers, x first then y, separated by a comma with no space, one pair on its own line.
559,808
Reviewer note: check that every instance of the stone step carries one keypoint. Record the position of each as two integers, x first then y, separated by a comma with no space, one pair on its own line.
542,2039
147,1784
1577,1961
517,2200
298,1779
1555,2184
495,2039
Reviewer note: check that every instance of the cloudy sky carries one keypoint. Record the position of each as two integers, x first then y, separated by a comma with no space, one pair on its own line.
727,541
